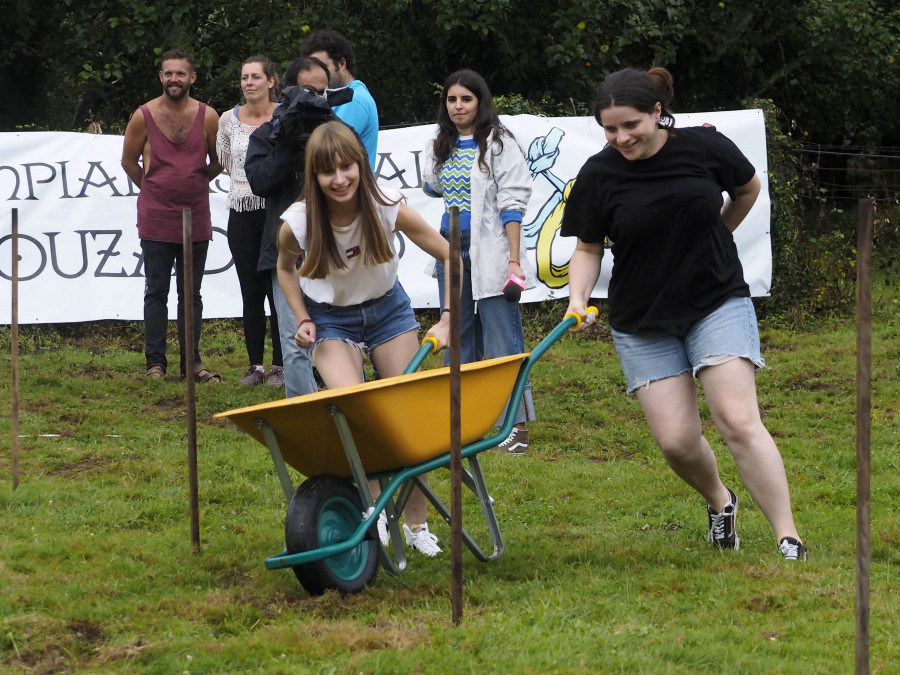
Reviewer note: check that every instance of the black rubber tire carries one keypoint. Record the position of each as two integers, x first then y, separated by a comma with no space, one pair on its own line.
326,510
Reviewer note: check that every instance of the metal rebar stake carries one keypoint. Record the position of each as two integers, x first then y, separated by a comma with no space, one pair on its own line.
863,429
455,425
188,322
14,348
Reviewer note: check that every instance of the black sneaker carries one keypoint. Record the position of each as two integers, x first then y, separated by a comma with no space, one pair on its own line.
722,531
792,549
516,443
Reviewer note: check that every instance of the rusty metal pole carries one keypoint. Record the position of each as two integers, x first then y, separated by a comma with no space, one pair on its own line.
863,428
455,426
14,347
188,323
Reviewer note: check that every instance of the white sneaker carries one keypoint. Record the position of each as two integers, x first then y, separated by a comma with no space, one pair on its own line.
383,534
422,540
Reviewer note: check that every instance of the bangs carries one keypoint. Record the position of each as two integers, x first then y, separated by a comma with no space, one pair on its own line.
337,145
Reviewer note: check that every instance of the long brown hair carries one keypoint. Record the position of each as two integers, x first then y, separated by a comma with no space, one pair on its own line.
487,121
330,143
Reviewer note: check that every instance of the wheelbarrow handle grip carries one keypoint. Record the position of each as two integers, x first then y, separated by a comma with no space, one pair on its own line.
429,345
435,345
591,313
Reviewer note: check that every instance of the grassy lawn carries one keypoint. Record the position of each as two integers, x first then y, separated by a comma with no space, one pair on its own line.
606,568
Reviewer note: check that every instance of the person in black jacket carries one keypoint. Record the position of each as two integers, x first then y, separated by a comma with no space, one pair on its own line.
274,168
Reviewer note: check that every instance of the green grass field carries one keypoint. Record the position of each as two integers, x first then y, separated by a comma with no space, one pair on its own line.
606,569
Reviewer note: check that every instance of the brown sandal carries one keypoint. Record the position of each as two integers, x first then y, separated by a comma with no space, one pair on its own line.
155,373
201,374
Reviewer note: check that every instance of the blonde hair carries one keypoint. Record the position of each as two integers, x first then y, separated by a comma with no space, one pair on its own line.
332,144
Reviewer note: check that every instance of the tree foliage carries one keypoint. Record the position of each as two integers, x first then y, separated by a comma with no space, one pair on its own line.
832,66
825,71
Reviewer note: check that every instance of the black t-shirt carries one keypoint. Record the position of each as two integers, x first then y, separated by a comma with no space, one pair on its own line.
675,261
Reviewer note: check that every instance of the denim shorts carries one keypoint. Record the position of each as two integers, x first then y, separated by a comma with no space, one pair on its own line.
726,333
367,325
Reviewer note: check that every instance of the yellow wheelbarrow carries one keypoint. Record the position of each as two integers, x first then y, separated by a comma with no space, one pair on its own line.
394,430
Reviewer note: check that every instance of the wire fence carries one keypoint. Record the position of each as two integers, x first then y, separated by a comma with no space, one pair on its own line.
850,173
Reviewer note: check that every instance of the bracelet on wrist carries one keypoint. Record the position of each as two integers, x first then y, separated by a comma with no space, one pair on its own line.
303,321
445,311
514,261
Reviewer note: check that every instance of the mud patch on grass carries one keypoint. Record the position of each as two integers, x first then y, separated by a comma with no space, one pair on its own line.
86,631
88,464
348,634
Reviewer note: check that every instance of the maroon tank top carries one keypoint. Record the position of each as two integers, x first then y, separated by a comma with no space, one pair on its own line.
177,179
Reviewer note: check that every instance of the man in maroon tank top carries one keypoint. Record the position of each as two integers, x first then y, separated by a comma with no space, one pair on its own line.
169,152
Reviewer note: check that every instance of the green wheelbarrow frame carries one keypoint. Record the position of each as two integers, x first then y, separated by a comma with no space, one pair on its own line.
397,484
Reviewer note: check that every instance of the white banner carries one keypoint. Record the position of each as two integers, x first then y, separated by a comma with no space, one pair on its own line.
79,253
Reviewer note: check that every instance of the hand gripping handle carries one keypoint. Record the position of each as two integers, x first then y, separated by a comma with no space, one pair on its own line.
591,313
429,346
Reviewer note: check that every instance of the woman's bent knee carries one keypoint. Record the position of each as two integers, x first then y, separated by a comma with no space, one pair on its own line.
681,448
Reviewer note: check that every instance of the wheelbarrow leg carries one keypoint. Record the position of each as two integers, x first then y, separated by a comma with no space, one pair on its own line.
476,481
275,451
365,494
352,454
396,546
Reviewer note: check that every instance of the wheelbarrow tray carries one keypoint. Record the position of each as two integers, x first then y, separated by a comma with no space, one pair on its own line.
398,421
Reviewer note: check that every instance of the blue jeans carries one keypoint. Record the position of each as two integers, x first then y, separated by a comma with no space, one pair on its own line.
369,324
159,256
728,332
494,330
298,374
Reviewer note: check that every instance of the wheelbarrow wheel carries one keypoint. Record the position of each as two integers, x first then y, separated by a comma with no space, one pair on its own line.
327,510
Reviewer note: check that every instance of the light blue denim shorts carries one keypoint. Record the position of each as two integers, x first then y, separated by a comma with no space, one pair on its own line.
367,325
726,333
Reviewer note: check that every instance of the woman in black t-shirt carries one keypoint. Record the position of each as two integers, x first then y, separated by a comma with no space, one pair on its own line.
678,304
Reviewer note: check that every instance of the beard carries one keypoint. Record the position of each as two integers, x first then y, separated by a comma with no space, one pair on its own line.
176,92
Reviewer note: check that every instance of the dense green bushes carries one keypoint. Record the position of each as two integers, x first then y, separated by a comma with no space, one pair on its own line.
828,72
833,67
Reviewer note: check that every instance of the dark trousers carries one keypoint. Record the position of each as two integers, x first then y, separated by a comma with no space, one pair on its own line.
159,256
245,231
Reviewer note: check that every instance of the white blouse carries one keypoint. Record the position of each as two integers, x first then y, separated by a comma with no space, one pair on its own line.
231,147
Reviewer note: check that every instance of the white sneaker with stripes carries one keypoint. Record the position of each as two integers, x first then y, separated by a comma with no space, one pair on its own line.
421,539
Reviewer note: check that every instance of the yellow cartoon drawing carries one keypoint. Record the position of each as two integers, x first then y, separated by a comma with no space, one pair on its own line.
542,231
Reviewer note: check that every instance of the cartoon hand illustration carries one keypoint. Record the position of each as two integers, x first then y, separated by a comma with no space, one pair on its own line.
544,151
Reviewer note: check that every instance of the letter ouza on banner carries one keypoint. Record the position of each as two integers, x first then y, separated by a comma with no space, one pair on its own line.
80,256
